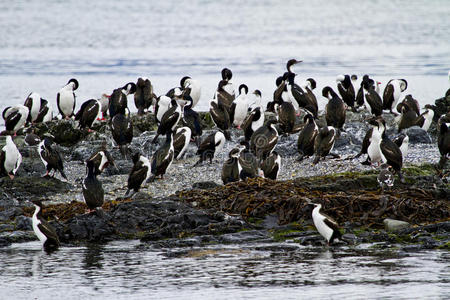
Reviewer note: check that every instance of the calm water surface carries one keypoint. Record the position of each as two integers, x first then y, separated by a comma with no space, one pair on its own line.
127,269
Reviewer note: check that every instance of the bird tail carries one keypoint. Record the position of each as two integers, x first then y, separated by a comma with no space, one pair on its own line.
124,151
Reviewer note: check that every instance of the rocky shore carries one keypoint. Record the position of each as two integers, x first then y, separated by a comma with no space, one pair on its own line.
192,207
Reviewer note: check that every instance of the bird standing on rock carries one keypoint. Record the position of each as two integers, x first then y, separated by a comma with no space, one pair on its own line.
43,230
254,120
324,143
10,158
334,110
239,107
392,93
118,101
66,100
220,116
162,158
346,90
169,120
122,131
264,140
88,113
92,188
101,159
210,146
444,139
307,136
51,158
326,226
232,168
143,97
271,166
140,172
181,141
33,102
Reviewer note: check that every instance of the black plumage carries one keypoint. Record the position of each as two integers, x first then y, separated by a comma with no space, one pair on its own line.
411,103
43,230
270,167
118,101
248,162
210,146
334,110
138,174
223,97
346,90
231,168
181,140
220,116
324,142
443,139
307,136
87,113
43,112
92,188
162,158
391,152
264,140
192,120
408,117
372,98
51,158
122,132
312,106
169,120
255,115
101,159
143,97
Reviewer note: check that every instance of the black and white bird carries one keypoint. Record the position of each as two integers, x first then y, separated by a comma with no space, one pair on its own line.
385,177
372,98
191,119
408,117
312,107
334,110
264,140
66,100
284,109
118,101
162,106
232,168
367,140
411,103
239,107
45,113
392,93
444,139
181,141
271,166
143,97
253,121
140,172
402,141
88,113
426,118
43,230
15,118
92,188
326,226
31,138
101,159
162,159
346,90
220,116
227,75
222,95
307,136
210,146
10,158
324,143
33,102
51,158
191,88
169,120
248,162
104,101
122,132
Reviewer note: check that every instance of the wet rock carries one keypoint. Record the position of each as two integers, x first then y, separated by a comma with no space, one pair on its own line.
315,240
6,227
18,236
243,237
65,133
395,225
10,213
418,136
350,238
91,227
23,223
204,185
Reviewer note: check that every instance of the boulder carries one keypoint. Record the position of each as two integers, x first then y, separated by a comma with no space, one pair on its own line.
395,225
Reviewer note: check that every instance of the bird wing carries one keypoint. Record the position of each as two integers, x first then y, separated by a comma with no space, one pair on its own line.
48,230
248,121
330,222
375,102
392,153
388,96
2,159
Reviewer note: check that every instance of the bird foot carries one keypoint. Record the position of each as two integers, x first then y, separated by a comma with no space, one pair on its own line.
11,176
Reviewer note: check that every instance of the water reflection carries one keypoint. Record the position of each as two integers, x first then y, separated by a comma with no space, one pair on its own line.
121,269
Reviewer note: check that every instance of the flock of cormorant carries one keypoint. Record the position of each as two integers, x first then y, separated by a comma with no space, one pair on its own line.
255,154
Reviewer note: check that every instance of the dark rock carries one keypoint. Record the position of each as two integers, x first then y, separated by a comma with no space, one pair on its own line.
204,185
6,227
18,236
243,237
315,240
95,226
441,107
10,213
23,223
418,136
350,238
4,242
28,188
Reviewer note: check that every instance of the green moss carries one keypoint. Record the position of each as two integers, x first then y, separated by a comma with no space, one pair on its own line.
445,246
419,170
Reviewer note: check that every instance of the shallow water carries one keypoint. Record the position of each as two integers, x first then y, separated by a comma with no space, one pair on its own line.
126,269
